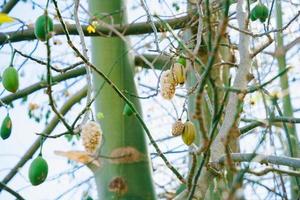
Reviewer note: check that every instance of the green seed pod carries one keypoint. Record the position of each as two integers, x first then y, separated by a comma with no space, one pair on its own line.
265,13
6,127
38,171
261,12
10,79
127,110
89,198
40,27
252,16
189,133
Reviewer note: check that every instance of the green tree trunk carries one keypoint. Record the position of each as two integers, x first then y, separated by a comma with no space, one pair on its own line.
287,104
129,176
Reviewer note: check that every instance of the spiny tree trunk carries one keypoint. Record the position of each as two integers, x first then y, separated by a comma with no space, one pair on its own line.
128,175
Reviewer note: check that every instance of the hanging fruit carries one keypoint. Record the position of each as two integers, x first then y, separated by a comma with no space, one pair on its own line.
10,79
260,11
182,61
43,27
167,84
6,127
91,135
38,171
178,71
177,128
127,110
252,16
189,133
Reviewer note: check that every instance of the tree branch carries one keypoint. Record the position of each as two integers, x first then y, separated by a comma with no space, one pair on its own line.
262,159
9,6
257,123
47,131
158,62
127,29
40,85
11,191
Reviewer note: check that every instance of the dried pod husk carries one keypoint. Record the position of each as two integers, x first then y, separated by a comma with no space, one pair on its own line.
178,72
167,84
10,79
189,133
6,127
38,171
91,135
177,128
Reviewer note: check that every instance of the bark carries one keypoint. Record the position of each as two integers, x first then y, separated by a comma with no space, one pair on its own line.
128,174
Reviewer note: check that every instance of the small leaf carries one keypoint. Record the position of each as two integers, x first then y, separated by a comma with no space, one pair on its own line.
68,137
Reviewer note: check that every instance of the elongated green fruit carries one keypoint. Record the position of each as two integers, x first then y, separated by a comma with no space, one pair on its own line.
127,110
38,171
10,79
41,31
6,127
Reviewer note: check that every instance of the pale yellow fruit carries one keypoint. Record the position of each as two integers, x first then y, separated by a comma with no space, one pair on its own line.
178,72
189,133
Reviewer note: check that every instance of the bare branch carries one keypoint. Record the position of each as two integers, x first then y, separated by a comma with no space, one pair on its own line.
48,130
9,6
129,29
11,191
262,159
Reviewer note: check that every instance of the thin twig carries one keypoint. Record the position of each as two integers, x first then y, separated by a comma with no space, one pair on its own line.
84,53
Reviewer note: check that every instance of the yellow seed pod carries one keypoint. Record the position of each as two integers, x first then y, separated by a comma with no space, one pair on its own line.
189,133
177,128
178,72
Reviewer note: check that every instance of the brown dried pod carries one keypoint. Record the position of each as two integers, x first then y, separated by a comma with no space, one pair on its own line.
167,84
177,128
91,136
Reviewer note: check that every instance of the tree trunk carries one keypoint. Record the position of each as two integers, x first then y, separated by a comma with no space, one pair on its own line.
286,100
128,174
